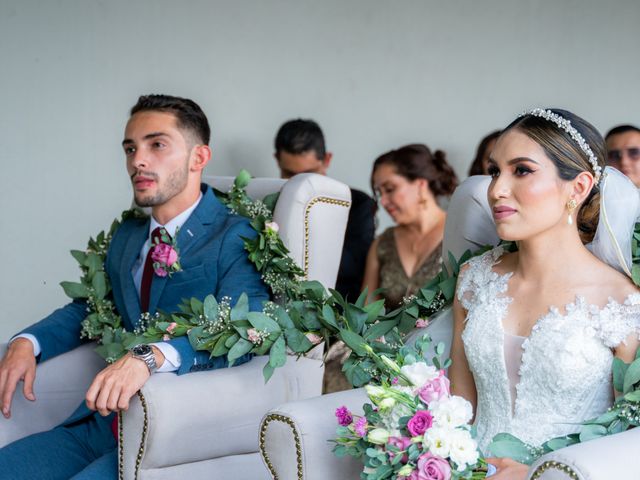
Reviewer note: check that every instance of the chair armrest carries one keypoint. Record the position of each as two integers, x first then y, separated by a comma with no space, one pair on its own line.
295,438
605,458
199,416
59,387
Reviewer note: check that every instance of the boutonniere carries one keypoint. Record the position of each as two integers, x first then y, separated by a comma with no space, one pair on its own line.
164,253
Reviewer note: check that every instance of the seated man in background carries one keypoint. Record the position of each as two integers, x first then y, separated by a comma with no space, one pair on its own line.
300,148
623,151
166,146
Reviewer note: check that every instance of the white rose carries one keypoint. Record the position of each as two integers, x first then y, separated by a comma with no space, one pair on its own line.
464,449
419,373
451,412
438,440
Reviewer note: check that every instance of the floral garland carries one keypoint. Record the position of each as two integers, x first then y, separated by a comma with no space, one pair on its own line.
304,315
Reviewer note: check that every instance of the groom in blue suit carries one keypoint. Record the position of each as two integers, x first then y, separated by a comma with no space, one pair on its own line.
166,148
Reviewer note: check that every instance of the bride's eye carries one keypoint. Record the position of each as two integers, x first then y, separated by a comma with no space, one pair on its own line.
493,170
522,170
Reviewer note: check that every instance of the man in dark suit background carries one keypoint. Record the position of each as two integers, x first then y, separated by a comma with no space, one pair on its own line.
166,146
300,148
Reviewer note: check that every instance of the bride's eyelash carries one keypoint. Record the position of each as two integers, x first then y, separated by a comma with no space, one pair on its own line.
522,170
493,171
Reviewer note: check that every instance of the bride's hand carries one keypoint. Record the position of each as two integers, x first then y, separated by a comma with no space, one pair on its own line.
508,469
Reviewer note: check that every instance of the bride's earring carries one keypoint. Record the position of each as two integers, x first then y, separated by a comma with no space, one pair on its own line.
571,206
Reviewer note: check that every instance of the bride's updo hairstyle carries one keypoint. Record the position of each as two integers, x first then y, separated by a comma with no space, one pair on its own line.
569,157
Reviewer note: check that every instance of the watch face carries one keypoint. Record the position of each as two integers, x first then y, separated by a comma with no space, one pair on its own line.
141,350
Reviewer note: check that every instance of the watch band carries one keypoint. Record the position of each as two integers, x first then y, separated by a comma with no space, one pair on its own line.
145,353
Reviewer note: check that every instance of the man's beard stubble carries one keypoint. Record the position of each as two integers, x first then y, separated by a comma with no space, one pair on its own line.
176,183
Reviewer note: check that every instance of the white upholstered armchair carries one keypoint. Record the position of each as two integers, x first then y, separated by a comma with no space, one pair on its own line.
206,424
295,436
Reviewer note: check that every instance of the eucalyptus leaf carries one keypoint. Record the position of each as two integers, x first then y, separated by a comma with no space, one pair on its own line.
589,432
619,371
240,348
99,284
210,307
75,290
241,308
354,341
507,445
261,321
297,341
267,372
278,354
632,376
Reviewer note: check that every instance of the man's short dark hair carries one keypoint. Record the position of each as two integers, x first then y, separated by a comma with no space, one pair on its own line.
300,136
189,115
621,129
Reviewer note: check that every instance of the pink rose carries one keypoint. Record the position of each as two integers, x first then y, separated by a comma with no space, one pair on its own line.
160,271
401,443
435,389
420,423
313,338
253,336
432,467
164,254
421,323
171,327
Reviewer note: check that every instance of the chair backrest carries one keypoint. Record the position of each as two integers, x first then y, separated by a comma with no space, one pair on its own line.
312,213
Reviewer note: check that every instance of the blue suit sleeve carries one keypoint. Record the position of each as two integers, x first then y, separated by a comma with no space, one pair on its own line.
236,275
60,331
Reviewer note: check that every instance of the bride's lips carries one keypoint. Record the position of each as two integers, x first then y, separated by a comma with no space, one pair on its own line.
502,212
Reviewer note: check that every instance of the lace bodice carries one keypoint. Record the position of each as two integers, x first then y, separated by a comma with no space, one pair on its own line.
565,374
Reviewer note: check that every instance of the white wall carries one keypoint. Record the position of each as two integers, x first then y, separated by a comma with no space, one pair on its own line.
374,74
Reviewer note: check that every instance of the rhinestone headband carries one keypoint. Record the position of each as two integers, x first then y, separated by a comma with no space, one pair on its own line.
565,125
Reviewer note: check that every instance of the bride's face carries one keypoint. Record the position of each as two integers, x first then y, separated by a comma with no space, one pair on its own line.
526,194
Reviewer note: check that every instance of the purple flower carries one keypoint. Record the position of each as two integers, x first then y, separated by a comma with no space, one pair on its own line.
432,467
360,427
420,423
402,443
344,416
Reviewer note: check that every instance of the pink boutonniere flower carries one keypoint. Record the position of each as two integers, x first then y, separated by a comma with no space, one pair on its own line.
164,254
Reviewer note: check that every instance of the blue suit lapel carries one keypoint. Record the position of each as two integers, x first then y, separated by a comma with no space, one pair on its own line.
129,256
207,215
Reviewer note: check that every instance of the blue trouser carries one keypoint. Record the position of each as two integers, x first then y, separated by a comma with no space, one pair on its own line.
85,450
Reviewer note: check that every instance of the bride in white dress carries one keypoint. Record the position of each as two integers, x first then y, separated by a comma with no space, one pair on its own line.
535,331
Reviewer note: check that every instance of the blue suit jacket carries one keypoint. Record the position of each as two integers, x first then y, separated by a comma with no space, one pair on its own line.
213,260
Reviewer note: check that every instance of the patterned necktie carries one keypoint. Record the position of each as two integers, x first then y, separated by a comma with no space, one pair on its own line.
147,273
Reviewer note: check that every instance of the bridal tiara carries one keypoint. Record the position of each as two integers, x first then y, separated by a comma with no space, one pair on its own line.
565,125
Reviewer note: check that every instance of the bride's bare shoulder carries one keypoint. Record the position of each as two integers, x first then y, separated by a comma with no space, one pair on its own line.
616,284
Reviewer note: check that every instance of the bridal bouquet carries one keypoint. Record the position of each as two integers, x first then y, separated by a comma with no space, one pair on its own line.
413,428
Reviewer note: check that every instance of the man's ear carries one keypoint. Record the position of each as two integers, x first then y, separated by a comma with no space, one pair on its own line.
326,161
200,156
582,185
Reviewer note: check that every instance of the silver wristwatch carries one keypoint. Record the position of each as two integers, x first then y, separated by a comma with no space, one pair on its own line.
145,353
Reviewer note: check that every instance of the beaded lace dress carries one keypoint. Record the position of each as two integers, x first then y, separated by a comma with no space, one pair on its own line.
565,370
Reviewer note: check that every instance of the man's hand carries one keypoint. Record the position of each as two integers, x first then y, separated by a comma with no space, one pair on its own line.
508,469
18,364
114,386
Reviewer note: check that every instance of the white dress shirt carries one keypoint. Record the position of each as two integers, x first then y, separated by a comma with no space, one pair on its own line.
172,357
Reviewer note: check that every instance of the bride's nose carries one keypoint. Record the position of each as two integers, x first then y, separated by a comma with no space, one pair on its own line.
499,188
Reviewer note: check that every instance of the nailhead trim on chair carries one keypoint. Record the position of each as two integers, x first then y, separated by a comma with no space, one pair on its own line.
307,211
548,465
145,428
296,437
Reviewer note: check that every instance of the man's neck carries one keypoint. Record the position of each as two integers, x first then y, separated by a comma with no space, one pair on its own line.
166,212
